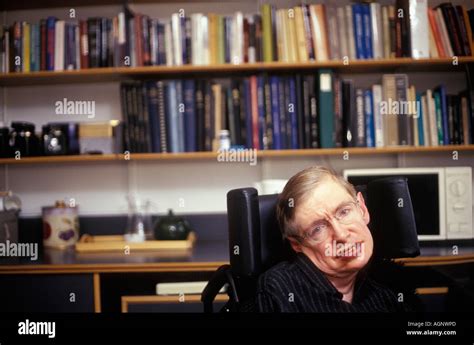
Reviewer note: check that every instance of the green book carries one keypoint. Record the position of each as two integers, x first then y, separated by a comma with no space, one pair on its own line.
326,108
220,40
439,117
267,33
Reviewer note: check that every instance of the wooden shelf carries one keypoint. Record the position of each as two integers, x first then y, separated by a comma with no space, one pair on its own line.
114,74
199,156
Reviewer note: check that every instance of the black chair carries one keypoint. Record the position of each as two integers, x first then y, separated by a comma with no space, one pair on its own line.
256,243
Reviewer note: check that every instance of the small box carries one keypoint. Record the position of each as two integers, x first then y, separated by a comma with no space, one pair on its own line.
100,137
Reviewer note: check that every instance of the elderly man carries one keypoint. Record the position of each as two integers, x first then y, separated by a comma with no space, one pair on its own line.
325,221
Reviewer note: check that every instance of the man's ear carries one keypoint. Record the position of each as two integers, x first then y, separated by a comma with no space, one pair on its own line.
363,207
295,244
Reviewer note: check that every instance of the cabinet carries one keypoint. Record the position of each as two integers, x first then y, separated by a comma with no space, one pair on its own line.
188,182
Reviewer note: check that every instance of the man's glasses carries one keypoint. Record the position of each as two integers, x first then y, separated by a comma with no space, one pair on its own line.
346,214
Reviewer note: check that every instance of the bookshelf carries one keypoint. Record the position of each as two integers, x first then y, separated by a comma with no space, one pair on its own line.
206,156
100,181
117,74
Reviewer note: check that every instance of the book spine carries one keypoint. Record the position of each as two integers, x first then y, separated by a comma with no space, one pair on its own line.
369,119
255,112
419,29
377,30
338,115
326,108
262,130
367,31
190,115
300,110
404,133
268,113
275,100
358,31
360,135
378,121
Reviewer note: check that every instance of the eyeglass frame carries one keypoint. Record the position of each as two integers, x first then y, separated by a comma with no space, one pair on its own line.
305,237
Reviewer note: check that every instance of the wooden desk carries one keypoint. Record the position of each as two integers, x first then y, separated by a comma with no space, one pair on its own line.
436,256
93,277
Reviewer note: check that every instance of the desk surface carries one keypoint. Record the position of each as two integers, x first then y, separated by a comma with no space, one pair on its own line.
205,256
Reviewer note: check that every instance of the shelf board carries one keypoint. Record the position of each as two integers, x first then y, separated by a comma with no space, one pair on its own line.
200,156
113,74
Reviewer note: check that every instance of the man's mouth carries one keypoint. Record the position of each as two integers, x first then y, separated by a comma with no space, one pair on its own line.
349,250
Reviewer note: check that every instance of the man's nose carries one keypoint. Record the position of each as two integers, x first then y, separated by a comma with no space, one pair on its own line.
340,231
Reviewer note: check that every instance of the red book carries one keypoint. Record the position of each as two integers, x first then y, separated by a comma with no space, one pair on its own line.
84,44
43,45
246,40
254,112
436,33
139,39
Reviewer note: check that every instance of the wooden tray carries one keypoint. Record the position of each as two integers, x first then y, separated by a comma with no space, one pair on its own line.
116,243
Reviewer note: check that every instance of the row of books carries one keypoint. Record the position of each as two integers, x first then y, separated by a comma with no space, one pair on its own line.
306,32
291,112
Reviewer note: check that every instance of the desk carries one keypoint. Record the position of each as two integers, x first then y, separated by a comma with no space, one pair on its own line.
436,256
66,281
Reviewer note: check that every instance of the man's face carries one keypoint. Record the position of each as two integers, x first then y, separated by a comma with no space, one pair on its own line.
333,230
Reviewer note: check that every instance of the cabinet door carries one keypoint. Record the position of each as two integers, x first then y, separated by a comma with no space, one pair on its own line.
47,293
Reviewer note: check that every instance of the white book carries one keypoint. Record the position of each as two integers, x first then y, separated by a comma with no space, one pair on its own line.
282,42
168,45
433,48
177,33
196,39
237,44
414,115
432,117
350,32
386,33
205,58
184,288
419,29
59,45
377,31
426,121
341,22
444,32
378,121
121,28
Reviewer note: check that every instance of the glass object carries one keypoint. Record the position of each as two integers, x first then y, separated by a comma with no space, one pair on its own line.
139,226
224,140
346,214
23,139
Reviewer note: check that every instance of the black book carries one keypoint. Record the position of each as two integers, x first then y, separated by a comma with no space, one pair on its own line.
313,111
268,112
208,135
349,124
451,120
300,111
338,118
125,116
93,32
188,40
243,113
306,113
199,99
161,95
104,44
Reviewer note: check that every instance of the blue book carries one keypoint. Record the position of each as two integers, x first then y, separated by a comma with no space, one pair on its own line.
293,114
190,116
369,118
419,109
50,34
261,112
172,116
181,108
153,120
358,31
367,29
275,102
248,114
35,48
441,90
